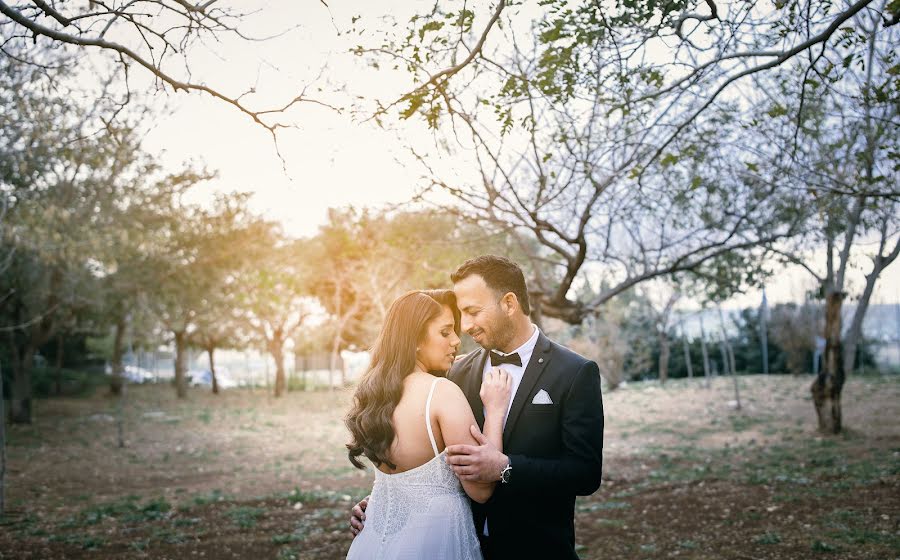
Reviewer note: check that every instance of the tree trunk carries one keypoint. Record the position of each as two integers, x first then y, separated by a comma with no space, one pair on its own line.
664,352
826,389
59,361
687,355
731,361
277,349
335,355
729,351
116,380
304,377
180,364
2,448
851,338
23,360
212,369
705,354
20,395
764,332
120,415
724,352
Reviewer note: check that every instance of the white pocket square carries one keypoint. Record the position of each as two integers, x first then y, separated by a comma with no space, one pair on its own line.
542,398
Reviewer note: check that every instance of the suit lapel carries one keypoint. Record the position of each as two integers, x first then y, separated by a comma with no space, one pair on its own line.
476,373
468,377
536,365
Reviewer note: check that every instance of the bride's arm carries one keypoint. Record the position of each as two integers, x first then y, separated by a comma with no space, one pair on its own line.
495,393
454,417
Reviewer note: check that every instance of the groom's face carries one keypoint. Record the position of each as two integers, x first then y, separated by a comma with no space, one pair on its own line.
483,317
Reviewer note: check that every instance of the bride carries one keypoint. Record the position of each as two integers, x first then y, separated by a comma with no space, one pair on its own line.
402,418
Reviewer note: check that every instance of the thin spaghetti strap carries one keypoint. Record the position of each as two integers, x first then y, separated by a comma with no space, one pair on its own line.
428,417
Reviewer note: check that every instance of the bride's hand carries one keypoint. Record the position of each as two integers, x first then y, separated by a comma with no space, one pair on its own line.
495,391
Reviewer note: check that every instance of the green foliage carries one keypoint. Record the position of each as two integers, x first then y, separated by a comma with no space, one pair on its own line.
298,495
245,517
86,542
768,538
94,227
822,546
126,510
209,498
288,553
287,538
374,257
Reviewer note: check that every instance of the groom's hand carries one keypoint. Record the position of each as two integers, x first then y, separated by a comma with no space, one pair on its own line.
358,516
477,463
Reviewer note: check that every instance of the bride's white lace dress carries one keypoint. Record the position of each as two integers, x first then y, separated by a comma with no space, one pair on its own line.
422,513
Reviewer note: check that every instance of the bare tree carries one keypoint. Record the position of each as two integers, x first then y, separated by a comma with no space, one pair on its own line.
684,58
846,136
573,182
154,35
662,316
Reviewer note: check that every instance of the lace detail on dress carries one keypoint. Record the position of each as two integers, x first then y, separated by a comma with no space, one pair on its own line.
420,513
411,492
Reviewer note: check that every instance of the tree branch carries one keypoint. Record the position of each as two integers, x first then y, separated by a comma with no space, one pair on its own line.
152,66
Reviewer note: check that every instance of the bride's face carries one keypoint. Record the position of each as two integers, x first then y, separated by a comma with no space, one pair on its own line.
438,349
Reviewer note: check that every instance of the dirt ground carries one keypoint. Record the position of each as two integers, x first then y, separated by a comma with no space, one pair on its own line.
243,475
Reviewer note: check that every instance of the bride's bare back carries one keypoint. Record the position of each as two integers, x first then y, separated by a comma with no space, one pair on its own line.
420,512
411,447
451,419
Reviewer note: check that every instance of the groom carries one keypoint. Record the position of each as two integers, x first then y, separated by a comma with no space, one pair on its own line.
553,431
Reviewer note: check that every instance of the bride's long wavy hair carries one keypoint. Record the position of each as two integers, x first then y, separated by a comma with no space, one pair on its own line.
393,357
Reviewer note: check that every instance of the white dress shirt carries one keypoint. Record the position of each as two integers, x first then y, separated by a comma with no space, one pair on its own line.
516,372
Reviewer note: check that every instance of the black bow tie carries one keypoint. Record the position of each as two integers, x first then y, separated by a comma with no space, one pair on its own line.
497,359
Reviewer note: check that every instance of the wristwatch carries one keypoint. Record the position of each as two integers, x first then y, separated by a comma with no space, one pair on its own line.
505,473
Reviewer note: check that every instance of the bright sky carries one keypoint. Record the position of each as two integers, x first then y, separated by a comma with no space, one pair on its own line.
331,160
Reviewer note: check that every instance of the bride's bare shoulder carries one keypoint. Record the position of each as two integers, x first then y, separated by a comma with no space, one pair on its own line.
448,395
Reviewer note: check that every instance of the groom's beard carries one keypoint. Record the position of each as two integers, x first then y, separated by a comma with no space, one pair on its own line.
499,333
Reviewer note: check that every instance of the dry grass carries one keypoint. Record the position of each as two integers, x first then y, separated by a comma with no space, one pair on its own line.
686,475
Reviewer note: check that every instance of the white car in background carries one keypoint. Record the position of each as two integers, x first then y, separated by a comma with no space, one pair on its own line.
138,375
203,377
134,374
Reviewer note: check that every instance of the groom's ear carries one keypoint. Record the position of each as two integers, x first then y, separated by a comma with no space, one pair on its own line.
510,302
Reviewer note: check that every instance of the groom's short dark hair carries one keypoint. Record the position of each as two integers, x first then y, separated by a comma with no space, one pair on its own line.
499,273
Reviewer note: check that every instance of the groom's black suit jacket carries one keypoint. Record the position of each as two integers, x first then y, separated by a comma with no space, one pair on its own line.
556,451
